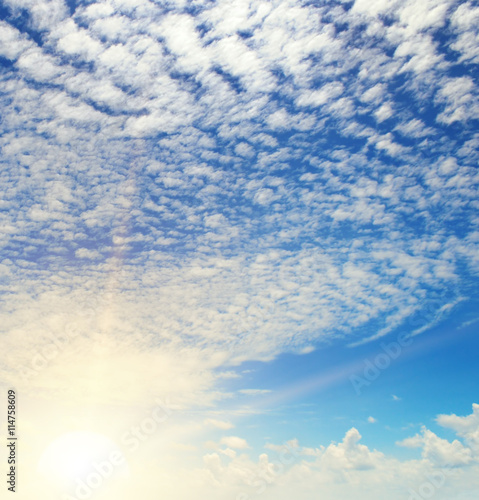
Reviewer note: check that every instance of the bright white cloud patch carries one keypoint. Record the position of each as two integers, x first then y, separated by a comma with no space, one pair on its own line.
338,468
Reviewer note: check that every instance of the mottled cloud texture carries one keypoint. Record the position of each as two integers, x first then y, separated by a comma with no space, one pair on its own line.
190,185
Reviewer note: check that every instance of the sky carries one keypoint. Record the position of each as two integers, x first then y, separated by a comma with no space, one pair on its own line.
239,248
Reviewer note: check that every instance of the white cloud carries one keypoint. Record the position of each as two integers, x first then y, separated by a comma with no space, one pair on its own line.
439,451
350,454
38,65
344,468
414,128
322,96
219,424
12,43
85,253
465,20
234,442
43,13
460,98
375,7
254,392
420,16
465,427
384,112
373,94
75,41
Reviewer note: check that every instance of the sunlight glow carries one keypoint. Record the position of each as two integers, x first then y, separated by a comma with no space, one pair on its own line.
81,458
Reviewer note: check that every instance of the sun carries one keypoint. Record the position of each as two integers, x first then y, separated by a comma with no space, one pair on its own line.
82,460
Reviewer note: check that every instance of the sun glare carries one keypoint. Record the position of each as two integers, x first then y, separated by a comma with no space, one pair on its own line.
81,459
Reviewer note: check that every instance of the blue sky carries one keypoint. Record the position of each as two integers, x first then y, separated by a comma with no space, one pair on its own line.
228,209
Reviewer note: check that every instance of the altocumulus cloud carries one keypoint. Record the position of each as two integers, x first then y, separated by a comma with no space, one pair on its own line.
226,181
